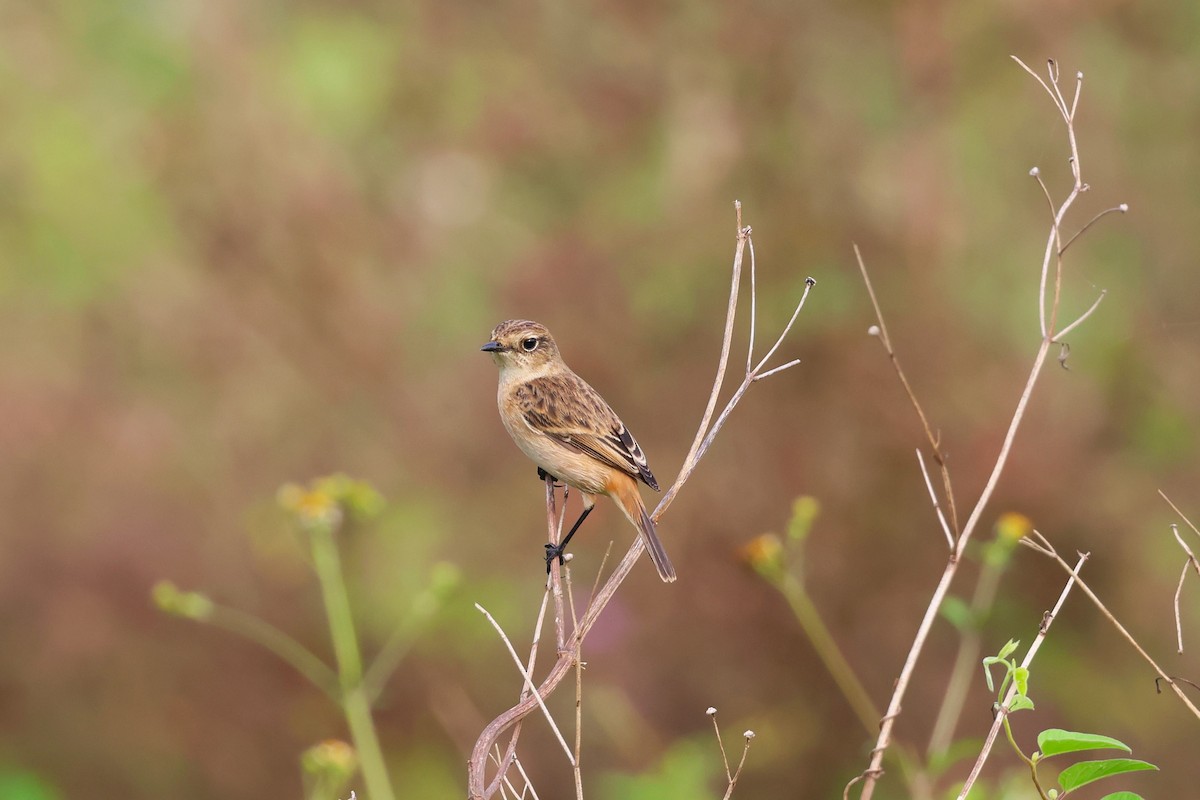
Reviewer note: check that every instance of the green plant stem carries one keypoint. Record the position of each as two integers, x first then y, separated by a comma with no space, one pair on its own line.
355,704
397,646
285,647
1033,765
966,661
828,651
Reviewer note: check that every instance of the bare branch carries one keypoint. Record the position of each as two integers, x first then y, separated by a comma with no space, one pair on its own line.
1175,508
712,714
1038,78
780,368
528,681
809,283
933,498
748,736
1054,250
1119,209
743,236
1051,240
569,655
753,305
1047,547
934,441
1058,337
1191,562
1004,708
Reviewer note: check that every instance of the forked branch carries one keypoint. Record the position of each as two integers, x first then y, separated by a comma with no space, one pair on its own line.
1048,322
478,786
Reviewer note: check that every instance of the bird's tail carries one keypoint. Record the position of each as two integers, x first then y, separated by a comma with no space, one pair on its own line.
631,503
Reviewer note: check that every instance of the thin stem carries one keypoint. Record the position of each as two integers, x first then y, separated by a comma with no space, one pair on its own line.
554,520
285,647
809,283
1121,209
738,772
939,594
355,703
1029,762
780,368
578,694
1120,628
743,236
966,661
1050,242
1003,711
712,714
1175,508
477,788
1058,337
933,440
528,682
1061,108
1191,562
1178,592
510,752
424,606
753,305
933,498
828,651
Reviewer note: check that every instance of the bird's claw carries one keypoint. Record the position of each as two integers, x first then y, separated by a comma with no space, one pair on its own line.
554,551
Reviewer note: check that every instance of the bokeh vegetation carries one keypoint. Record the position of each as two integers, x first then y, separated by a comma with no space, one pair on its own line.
247,244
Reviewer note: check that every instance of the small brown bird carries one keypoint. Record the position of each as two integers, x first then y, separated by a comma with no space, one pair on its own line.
568,430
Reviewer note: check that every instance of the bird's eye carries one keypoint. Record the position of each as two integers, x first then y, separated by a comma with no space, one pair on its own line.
530,344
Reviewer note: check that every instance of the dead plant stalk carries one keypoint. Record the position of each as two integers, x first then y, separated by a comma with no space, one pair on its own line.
1053,253
479,788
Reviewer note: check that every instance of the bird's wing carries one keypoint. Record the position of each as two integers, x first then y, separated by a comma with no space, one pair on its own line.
569,411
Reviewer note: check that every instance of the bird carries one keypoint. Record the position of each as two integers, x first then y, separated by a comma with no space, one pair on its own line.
570,432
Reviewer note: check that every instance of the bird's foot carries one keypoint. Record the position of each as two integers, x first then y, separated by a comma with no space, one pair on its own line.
554,551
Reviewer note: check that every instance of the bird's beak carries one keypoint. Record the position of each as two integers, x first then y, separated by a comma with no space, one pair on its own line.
492,347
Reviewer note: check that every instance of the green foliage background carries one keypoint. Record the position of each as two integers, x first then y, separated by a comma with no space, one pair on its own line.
242,244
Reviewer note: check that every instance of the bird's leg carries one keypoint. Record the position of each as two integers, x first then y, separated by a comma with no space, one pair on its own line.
543,475
554,551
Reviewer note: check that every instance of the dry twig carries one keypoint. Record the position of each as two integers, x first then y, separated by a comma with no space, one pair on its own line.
1190,562
478,786
1003,710
1054,250
1043,546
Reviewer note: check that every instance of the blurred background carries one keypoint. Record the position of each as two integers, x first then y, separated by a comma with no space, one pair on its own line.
245,244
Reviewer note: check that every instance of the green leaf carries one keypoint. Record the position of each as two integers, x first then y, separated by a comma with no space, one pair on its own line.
1054,741
1021,678
1086,772
1008,649
956,611
1122,796
987,673
1020,703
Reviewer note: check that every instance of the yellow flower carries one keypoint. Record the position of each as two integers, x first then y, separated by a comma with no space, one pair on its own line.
765,554
331,759
1013,526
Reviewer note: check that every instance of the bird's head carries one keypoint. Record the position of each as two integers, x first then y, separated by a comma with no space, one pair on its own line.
523,345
